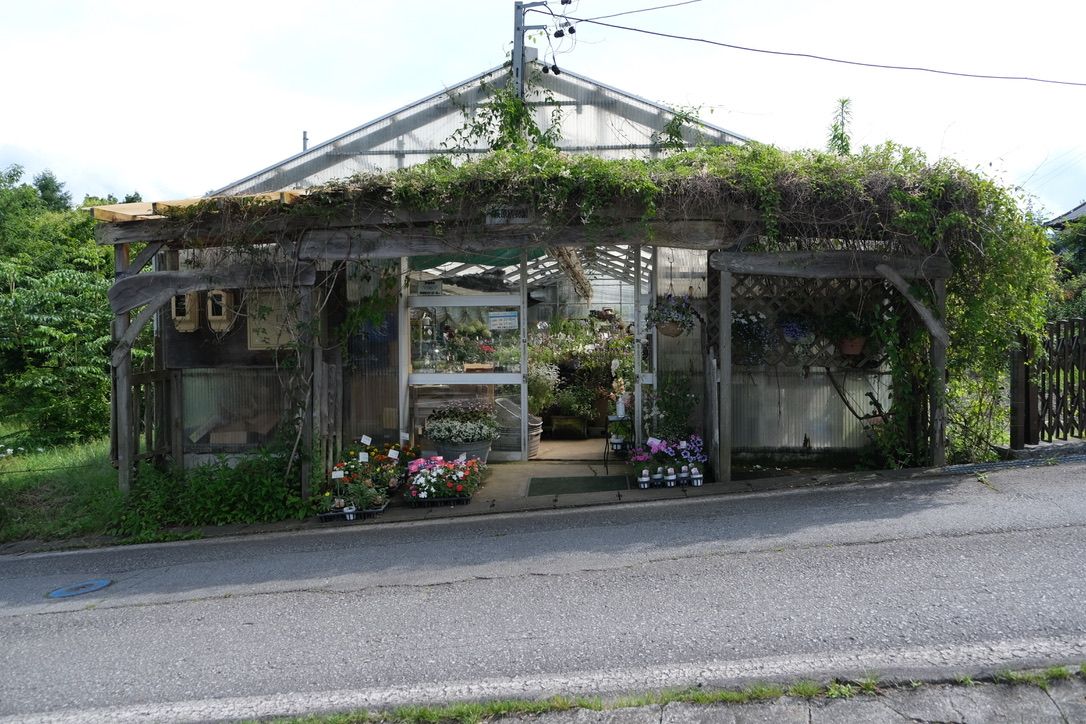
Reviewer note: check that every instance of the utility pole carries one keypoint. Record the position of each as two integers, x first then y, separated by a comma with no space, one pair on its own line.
519,28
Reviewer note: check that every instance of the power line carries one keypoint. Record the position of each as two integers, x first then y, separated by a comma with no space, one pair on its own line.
827,59
642,10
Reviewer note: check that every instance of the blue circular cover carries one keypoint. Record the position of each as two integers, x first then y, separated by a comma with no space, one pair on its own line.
78,589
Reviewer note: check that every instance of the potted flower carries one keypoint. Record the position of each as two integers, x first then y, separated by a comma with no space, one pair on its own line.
436,481
848,331
574,406
671,315
464,427
750,338
796,329
542,381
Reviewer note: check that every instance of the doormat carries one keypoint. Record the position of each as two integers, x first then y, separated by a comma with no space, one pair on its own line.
577,484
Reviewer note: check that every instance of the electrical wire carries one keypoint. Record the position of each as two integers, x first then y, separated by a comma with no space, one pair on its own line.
811,56
642,10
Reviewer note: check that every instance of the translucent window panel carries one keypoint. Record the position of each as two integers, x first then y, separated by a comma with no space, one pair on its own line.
230,409
465,339
496,272
424,399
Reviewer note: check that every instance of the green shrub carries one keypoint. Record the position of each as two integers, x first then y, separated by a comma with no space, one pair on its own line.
250,490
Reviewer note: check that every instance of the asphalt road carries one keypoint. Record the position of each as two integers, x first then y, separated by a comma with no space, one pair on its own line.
910,578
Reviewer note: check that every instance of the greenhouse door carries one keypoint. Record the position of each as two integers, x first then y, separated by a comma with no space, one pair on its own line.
466,346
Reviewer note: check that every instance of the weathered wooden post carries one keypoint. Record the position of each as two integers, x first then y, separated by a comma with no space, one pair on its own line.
121,408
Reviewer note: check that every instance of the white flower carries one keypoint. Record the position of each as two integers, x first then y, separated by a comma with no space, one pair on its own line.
10,451
422,494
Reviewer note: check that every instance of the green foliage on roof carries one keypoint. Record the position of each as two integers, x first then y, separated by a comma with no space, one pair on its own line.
887,198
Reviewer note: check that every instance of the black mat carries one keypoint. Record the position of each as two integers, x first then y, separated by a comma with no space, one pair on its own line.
577,484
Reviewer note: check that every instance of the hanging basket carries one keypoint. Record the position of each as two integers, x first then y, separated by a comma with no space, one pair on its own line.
669,329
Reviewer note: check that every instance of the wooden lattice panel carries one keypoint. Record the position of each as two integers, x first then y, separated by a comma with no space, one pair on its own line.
782,320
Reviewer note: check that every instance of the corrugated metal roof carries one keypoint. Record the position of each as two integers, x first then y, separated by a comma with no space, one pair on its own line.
1076,213
596,118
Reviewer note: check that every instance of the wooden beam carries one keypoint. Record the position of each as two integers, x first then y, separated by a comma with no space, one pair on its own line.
122,389
124,345
374,224
144,257
137,290
724,392
212,231
356,244
122,212
935,327
830,264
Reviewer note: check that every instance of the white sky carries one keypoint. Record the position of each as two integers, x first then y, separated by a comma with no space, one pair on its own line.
175,99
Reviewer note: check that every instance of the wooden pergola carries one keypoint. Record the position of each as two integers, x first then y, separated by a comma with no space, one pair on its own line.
369,232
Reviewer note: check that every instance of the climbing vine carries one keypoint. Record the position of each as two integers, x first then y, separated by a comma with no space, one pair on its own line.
887,198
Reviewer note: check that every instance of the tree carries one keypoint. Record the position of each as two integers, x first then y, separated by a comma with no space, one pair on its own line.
839,141
54,315
54,335
52,192
1069,245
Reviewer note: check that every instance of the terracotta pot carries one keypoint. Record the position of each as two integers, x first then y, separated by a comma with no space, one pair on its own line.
851,346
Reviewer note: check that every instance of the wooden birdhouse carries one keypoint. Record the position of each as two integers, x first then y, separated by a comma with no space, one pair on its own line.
185,311
221,310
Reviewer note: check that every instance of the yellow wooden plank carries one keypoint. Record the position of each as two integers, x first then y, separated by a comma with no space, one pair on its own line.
121,212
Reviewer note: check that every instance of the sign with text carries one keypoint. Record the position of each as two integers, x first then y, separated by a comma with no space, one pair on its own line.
501,321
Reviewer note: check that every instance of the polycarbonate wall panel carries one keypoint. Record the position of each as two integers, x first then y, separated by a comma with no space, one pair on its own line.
682,272
371,382
227,409
785,408
595,119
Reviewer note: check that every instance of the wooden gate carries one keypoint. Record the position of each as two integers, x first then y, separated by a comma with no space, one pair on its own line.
1048,393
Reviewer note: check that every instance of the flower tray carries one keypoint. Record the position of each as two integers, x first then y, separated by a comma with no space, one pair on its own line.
333,515
359,515
435,502
371,512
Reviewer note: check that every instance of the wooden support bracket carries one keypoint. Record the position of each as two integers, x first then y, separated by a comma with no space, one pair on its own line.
938,331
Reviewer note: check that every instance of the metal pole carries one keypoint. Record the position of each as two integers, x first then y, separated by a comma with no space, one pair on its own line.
638,345
519,28
523,314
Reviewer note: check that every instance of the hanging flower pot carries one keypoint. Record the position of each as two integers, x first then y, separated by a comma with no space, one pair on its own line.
669,329
671,315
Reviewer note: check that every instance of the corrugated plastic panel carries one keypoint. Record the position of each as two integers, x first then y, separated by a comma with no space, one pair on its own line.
781,408
227,409
596,119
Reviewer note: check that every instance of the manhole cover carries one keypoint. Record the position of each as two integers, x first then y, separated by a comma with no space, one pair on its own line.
78,589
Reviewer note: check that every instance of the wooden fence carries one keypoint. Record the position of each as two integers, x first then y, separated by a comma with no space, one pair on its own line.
1048,393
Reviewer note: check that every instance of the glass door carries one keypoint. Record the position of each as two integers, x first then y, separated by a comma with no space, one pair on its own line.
466,344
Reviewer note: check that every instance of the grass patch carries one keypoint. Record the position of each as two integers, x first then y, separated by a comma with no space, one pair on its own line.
805,689
61,492
472,713
1019,678
869,685
1057,673
840,690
